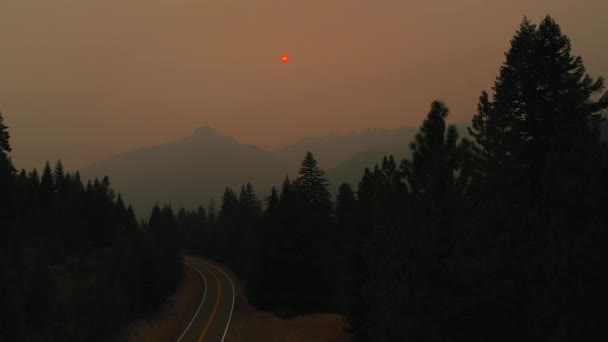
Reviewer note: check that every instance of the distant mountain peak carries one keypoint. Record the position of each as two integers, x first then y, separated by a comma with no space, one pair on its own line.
209,134
205,131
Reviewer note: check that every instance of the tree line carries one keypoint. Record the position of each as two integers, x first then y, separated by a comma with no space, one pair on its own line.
75,265
501,236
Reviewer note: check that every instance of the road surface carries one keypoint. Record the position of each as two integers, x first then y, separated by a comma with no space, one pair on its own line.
212,318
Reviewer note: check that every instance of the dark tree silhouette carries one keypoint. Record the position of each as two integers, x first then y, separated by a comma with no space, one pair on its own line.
6,166
435,157
543,105
67,248
312,184
345,204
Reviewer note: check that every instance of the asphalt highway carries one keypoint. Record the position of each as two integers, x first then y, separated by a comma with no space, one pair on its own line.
212,318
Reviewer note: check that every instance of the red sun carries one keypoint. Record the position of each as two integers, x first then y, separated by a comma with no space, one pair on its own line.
285,59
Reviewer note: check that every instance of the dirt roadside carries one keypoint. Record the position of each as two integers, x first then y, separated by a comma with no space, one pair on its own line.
168,323
249,324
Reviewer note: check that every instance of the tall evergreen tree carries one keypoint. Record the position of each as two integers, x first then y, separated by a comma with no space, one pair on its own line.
435,157
230,206
542,101
47,186
6,166
248,201
59,175
155,220
312,184
211,212
272,202
6,173
267,292
537,189
345,204
12,318
344,246
201,215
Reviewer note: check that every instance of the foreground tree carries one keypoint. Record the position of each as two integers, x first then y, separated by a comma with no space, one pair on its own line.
544,105
436,157
501,239
535,207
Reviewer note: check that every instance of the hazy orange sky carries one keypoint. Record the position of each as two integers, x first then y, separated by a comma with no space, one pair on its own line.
84,80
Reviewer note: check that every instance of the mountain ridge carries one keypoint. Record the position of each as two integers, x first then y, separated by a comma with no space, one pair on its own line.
189,171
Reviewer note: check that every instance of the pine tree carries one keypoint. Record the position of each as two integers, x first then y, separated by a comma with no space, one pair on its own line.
107,190
228,227
345,204
248,202
6,166
312,236
59,176
435,159
543,103
201,216
132,225
537,190
272,203
155,220
211,214
483,129
7,172
12,325
230,207
121,212
47,186
264,294
344,247
312,184
5,146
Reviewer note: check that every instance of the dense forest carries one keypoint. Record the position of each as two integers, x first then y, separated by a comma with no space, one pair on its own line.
501,237
75,265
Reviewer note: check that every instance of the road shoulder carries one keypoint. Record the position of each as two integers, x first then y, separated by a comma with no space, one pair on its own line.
250,324
170,320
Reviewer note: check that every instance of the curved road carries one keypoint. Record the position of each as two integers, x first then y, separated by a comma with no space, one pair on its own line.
212,318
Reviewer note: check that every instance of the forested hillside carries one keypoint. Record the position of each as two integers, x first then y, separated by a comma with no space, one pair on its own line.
501,237
75,265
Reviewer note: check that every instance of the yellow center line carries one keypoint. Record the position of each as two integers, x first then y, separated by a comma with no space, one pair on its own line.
217,302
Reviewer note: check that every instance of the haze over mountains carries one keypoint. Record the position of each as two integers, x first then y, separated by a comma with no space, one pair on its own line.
189,172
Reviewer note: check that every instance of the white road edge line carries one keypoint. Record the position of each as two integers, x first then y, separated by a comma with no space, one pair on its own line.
233,297
200,305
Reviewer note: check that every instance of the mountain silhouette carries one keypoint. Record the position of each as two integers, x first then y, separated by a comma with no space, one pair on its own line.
332,150
188,172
